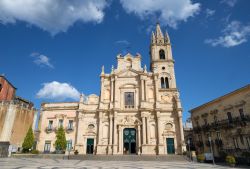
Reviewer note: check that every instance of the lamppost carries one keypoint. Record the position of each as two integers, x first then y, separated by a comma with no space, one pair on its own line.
189,149
211,149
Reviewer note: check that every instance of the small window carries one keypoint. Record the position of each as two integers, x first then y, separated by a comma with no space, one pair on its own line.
242,140
163,68
50,124
241,113
229,116
218,134
162,54
197,124
205,122
215,119
1,87
166,82
69,145
129,100
47,146
236,145
162,82
60,123
70,125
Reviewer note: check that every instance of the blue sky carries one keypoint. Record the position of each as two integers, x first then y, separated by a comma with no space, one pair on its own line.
47,45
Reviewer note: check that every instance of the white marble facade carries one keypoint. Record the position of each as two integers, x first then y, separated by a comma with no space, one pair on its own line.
138,111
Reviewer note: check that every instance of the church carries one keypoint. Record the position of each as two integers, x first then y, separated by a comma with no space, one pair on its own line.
138,111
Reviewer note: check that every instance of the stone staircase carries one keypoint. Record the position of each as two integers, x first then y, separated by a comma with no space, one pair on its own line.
128,157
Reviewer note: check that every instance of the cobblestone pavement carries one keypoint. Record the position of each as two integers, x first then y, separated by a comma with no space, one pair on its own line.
31,163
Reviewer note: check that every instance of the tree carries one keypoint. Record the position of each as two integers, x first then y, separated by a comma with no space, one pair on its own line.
28,141
61,142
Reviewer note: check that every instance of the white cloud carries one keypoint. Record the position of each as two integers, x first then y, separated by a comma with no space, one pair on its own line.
41,60
234,34
58,91
230,3
52,15
209,12
168,12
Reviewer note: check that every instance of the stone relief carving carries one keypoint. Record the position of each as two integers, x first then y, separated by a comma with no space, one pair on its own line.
168,126
129,120
166,98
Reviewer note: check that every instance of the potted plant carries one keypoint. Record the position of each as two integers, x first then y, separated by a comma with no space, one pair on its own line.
230,160
201,158
76,152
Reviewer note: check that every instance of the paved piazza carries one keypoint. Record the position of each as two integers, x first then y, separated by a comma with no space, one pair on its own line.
29,163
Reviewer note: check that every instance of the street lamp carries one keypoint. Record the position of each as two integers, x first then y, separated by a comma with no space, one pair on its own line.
211,149
189,149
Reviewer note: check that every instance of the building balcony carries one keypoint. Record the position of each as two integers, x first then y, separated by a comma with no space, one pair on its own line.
206,127
49,129
237,121
219,142
199,144
69,129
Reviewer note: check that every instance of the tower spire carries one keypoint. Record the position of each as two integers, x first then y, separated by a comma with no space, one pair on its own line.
153,37
159,33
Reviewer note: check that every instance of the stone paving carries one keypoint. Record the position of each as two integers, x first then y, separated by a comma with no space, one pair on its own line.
31,163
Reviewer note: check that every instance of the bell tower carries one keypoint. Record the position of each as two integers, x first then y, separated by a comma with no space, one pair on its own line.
161,58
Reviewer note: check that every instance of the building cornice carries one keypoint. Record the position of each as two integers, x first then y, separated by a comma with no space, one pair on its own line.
247,87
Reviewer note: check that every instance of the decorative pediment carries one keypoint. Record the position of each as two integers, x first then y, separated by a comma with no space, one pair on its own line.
128,85
128,73
129,120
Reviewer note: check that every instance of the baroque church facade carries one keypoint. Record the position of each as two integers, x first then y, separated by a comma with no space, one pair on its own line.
138,111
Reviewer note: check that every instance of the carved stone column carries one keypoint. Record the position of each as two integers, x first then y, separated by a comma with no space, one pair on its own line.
146,90
144,130
110,134
115,136
148,130
156,88
183,147
142,90
112,90
99,145
102,88
160,145
139,139
120,140
100,128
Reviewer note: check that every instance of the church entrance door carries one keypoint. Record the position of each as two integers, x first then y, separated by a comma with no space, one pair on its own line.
90,146
129,141
170,146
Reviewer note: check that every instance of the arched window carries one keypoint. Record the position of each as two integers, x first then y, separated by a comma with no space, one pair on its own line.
229,116
166,82
162,54
162,83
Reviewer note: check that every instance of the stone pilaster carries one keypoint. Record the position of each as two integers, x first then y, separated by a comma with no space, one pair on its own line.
160,146
144,130
115,136
182,143
110,148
